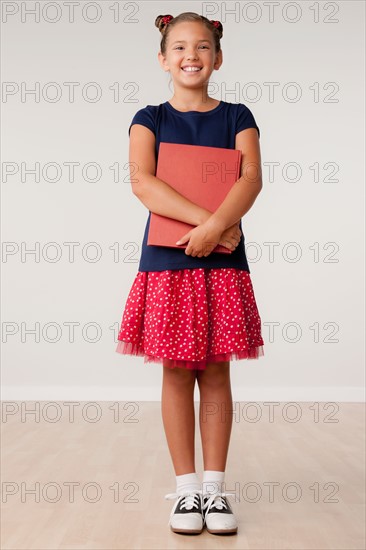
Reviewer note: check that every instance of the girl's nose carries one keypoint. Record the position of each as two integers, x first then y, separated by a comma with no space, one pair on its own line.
192,55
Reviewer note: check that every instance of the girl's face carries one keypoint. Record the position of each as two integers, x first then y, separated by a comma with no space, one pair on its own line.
190,44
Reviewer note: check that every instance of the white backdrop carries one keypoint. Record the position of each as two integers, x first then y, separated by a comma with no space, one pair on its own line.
72,229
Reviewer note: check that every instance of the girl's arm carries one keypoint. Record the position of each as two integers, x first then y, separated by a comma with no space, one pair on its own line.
242,195
154,193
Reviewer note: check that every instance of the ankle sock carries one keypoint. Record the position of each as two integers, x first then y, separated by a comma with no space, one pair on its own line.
213,481
187,482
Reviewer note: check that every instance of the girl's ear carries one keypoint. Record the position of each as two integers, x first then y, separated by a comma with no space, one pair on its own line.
218,60
162,61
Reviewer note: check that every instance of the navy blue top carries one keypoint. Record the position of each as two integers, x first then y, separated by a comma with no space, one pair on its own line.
215,128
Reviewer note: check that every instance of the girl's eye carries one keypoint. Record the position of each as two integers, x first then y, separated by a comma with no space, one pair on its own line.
178,47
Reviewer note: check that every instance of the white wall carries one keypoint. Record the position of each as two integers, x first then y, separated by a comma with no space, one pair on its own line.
321,294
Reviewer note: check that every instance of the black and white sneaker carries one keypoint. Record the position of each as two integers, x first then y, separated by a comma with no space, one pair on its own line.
186,515
218,515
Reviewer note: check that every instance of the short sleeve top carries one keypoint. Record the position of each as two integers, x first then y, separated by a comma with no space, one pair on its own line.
215,128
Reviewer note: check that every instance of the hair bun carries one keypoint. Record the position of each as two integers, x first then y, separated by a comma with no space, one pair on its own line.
162,21
218,26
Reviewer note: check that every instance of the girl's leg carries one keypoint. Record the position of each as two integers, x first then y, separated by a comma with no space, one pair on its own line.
216,416
178,416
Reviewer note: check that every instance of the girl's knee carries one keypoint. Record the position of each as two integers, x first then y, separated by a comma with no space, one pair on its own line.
178,374
215,374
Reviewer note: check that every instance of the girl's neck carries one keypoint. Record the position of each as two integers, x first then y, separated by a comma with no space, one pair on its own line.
201,102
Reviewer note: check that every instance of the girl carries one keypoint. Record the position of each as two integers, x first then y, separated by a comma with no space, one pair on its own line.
190,309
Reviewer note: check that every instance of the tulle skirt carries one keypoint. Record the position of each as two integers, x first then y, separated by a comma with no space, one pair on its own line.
188,318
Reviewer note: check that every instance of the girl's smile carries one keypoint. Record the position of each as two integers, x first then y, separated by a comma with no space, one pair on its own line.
191,68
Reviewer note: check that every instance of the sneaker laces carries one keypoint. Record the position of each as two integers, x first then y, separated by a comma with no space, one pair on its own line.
189,501
215,501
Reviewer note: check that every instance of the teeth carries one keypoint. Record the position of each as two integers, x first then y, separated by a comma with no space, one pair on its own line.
191,69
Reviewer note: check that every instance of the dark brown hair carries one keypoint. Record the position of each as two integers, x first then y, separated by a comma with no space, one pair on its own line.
164,27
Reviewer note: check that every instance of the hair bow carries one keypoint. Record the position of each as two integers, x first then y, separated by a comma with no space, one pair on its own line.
167,19
215,23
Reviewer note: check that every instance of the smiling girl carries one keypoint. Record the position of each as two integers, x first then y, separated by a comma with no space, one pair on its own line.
194,310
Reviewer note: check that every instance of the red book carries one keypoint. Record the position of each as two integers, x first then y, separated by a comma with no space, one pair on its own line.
204,175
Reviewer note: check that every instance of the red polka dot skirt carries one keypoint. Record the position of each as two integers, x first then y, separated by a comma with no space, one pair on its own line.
189,317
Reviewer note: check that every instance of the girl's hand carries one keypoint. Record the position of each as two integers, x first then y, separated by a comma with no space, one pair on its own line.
231,237
203,238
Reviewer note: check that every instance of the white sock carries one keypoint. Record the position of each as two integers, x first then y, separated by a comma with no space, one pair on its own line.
213,481
187,482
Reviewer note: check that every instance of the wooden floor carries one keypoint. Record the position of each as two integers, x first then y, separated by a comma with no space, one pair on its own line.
96,477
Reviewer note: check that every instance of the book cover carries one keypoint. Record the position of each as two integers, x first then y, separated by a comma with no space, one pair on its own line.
204,175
